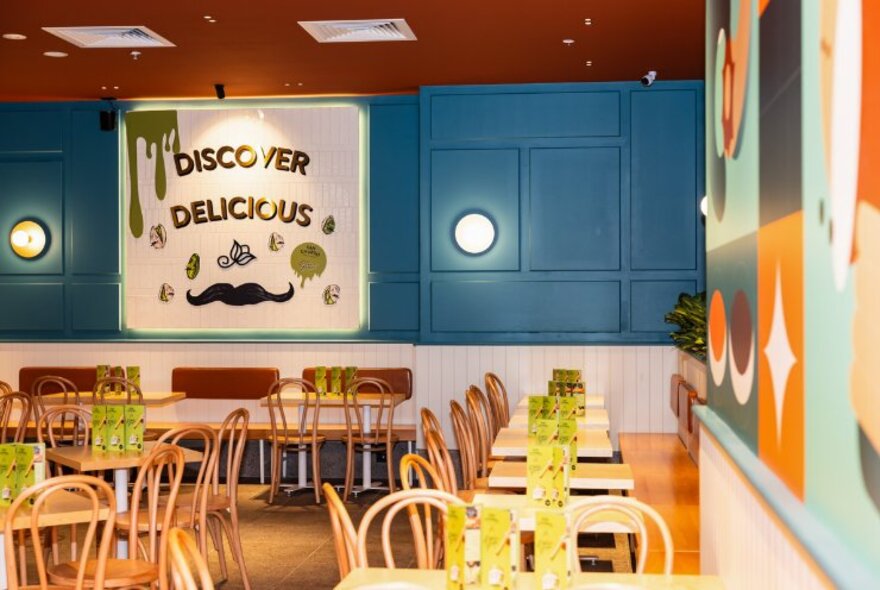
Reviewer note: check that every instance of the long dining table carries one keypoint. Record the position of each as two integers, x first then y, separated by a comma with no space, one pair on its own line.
587,476
593,419
514,442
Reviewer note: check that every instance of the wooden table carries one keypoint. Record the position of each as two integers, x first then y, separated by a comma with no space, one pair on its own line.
85,459
367,401
513,442
594,400
587,476
607,521
62,508
412,579
593,419
155,399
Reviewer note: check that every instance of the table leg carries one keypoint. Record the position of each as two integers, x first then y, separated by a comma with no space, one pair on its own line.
262,465
367,465
120,483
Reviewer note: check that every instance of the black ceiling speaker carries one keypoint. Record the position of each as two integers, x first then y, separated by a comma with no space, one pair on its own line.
108,120
220,90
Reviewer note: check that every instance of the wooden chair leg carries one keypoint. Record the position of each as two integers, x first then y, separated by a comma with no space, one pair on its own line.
316,472
349,470
22,558
273,467
232,533
389,458
217,538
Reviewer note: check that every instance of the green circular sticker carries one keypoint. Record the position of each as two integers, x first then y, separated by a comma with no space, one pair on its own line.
308,260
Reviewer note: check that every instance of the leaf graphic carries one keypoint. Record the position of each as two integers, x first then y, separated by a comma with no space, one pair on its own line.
245,258
236,250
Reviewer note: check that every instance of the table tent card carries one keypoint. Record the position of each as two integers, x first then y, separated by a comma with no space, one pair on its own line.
552,564
499,554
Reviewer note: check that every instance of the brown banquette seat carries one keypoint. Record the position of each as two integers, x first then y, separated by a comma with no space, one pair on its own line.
400,379
223,382
83,377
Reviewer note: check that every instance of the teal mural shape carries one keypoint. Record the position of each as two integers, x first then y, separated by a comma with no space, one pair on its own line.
732,270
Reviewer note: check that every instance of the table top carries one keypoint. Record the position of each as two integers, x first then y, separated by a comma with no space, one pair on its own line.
295,399
514,442
587,476
88,459
62,508
593,419
413,579
594,400
151,398
606,521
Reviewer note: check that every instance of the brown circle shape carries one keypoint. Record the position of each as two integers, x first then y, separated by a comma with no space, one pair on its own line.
741,331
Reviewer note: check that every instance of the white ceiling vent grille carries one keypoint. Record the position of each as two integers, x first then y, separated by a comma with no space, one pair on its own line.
358,31
110,37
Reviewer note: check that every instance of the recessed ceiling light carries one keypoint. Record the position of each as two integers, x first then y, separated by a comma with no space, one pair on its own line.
212,20
588,21
54,54
207,17
589,63
299,83
568,42
14,36
116,88
287,83
103,88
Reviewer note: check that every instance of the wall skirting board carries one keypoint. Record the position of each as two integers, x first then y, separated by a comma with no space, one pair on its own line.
633,379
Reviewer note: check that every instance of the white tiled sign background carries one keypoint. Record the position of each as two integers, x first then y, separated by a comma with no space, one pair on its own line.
330,136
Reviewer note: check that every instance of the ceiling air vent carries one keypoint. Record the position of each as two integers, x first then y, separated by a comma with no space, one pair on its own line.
110,37
358,31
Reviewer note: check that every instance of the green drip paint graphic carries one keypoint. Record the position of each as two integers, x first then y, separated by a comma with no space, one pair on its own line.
155,128
308,261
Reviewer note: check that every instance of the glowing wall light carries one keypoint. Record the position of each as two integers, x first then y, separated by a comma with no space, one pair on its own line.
474,233
28,238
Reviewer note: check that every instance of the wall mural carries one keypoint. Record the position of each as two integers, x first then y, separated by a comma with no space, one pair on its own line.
243,218
793,240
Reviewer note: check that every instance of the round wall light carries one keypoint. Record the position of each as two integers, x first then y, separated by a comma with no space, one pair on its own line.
28,238
474,233
704,206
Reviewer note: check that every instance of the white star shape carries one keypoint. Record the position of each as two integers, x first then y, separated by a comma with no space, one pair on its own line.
779,354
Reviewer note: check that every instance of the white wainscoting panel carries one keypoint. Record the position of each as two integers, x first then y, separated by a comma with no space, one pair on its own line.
741,540
633,379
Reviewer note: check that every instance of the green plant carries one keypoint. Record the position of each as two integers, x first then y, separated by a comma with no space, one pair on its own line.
690,316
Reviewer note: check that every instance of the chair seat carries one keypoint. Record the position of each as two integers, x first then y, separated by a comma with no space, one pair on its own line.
121,573
293,439
216,503
360,439
123,520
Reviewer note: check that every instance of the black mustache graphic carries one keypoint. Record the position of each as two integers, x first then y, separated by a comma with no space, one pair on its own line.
246,294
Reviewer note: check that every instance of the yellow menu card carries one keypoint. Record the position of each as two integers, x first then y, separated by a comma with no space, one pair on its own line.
455,519
547,476
552,565
499,555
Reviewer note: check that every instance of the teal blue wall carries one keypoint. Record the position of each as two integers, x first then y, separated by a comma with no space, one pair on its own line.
594,189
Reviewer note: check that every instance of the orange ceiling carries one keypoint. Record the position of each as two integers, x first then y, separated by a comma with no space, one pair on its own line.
255,47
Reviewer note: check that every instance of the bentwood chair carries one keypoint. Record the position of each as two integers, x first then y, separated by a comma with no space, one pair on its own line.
481,423
147,564
633,512
498,400
285,440
441,460
186,563
99,494
426,478
467,452
5,387
344,533
431,422
222,507
53,384
394,503
360,436
16,409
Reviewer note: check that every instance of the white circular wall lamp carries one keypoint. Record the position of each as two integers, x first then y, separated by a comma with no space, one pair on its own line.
475,233
28,239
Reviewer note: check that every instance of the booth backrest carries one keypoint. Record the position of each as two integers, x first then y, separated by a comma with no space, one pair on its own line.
223,382
83,377
400,379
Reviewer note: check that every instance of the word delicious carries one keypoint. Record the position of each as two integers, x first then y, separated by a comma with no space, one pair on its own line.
241,208
244,156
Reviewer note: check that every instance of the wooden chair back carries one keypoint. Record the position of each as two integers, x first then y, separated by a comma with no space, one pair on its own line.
431,422
202,485
344,533
61,426
14,406
381,430
464,437
634,511
53,384
481,424
186,563
394,503
99,494
110,385
426,478
278,419
233,433
5,387
498,400
438,455
164,459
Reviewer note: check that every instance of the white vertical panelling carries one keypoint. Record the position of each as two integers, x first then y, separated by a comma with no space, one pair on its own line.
633,379
740,540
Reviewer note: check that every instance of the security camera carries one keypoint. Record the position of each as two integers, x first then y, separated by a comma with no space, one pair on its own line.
648,78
